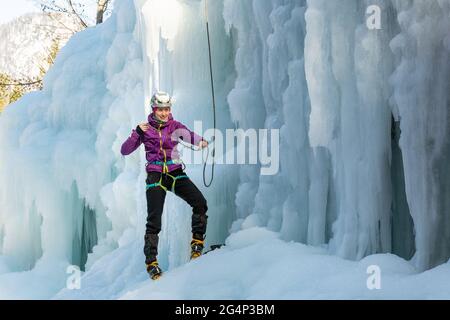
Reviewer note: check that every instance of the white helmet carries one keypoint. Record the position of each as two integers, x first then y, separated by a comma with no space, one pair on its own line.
161,100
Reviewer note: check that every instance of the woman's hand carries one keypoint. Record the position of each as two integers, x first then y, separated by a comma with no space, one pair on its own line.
144,126
140,129
203,144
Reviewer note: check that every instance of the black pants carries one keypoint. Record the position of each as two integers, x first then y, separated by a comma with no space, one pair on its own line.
185,189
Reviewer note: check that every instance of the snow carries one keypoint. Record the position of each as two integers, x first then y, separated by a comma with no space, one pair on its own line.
354,190
295,272
47,278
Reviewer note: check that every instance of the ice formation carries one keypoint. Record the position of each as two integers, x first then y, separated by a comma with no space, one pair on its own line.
363,117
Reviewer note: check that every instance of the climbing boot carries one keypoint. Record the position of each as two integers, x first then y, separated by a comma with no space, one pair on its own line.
196,248
154,270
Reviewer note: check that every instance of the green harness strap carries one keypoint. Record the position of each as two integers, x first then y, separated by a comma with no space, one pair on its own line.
170,162
159,183
165,168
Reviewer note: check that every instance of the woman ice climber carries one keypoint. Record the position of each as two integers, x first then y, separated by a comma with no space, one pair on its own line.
165,172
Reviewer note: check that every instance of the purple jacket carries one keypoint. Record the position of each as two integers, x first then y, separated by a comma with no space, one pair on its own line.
160,142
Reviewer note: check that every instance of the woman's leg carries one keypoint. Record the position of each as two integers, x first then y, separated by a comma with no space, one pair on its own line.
186,189
155,206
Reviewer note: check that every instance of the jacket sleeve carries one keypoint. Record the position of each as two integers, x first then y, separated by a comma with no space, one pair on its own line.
187,135
131,144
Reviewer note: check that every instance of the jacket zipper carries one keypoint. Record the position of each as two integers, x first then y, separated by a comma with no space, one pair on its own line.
165,168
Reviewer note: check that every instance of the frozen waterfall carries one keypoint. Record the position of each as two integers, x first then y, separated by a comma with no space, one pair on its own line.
363,114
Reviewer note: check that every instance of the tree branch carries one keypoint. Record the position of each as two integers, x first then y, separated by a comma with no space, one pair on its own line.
76,13
59,22
20,83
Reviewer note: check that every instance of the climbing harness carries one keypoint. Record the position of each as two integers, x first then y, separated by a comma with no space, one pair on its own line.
165,167
159,183
160,163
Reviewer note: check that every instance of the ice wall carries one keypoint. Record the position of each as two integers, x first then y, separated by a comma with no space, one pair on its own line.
421,95
343,96
351,118
270,92
363,119
65,187
71,196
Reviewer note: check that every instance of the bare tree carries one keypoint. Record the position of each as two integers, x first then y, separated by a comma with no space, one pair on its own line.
12,88
77,8
102,6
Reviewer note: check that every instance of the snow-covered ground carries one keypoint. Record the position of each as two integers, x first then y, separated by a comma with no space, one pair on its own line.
354,189
254,264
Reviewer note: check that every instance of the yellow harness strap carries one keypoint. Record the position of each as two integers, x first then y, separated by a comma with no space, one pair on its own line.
165,169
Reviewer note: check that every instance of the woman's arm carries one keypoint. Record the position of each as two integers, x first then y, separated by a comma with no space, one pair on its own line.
187,135
133,142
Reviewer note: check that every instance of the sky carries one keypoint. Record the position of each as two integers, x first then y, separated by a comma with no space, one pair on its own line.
10,9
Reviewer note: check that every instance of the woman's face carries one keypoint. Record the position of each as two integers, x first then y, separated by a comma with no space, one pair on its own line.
162,113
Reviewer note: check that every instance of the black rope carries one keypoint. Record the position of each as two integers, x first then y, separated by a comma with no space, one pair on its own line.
213,150
214,104
193,148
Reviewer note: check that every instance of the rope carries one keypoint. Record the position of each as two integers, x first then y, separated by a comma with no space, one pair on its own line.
214,104
213,151
206,160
